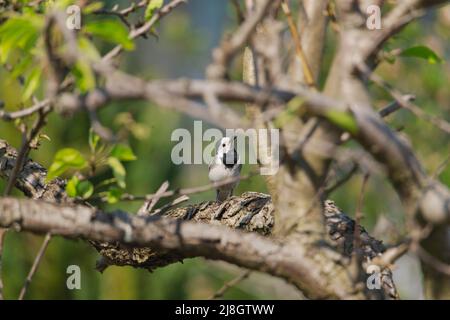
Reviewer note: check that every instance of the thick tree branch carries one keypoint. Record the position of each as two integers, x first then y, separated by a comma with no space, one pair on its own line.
252,212
179,239
405,171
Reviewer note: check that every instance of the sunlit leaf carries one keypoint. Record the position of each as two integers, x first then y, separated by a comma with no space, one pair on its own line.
71,187
113,195
343,120
92,7
110,30
85,189
118,171
70,157
19,32
422,52
88,48
84,76
56,169
76,188
152,7
20,68
31,83
93,140
65,159
123,152
289,113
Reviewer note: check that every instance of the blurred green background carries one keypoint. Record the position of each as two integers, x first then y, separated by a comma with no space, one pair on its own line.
185,39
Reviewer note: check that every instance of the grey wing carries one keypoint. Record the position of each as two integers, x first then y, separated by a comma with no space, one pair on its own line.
211,164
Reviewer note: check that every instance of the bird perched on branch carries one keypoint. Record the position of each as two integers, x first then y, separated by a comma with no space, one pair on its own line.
225,166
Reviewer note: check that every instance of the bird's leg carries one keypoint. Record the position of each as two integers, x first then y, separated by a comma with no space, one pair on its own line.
217,195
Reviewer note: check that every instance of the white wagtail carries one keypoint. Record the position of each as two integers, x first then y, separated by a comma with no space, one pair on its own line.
225,165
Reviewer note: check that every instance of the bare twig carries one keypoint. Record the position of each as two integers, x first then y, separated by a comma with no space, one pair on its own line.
219,293
391,255
171,204
149,204
21,157
223,55
103,132
344,179
24,149
432,261
35,265
187,191
145,27
405,102
357,257
239,14
8,116
298,46
441,168
395,105
2,239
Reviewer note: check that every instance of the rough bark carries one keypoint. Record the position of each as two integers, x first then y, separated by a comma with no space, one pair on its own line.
158,240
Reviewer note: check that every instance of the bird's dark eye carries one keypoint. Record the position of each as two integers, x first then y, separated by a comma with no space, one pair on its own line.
223,145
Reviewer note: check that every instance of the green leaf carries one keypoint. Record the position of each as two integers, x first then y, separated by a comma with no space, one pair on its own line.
88,49
22,66
85,189
65,159
113,195
422,52
118,171
71,187
70,157
123,153
93,140
110,30
77,188
289,113
343,120
56,169
31,83
92,7
19,32
152,7
84,77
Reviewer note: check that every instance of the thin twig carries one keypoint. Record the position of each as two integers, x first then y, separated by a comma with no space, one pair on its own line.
187,191
146,27
298,46
173,203
223,55
239,14
149,204
219,293
343,180
359,214
432,261
357,257
35,265
2,239
8,116
405,102
441,168
20,160
394,105
391,255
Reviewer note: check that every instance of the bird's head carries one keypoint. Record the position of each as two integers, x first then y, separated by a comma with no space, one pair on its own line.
226,145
